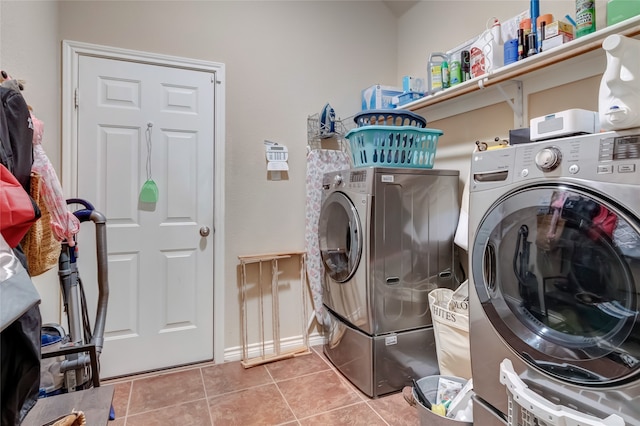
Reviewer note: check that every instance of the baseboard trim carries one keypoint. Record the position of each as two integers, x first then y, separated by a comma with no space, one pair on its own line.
255,350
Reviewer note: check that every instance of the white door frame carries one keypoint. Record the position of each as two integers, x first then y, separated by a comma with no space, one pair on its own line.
71,51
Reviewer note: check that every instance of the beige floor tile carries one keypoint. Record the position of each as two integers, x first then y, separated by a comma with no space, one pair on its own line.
316,393
297,366
165,390
262,405
353,415
395,410
120,402
193,413
232,376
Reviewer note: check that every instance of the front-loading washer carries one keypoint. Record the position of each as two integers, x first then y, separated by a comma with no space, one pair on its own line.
386,241
555,276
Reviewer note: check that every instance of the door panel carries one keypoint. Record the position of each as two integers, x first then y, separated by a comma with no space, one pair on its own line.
160,268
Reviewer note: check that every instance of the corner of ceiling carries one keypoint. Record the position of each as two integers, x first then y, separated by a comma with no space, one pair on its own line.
399,7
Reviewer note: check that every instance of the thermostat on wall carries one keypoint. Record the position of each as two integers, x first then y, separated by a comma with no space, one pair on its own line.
277,157
564,123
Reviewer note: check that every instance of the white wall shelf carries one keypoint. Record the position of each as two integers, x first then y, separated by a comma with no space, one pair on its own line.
578,59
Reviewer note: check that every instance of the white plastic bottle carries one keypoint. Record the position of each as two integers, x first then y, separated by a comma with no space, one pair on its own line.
619,96
434,72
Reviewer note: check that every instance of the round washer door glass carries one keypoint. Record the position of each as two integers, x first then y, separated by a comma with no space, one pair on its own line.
556,270
340,237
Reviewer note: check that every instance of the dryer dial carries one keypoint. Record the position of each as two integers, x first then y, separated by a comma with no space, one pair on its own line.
548,159
337,180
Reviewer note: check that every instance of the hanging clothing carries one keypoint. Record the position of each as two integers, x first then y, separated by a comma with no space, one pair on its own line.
319,162
19,340
63,223
19,132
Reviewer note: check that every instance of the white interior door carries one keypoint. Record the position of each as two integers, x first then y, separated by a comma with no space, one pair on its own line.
160,259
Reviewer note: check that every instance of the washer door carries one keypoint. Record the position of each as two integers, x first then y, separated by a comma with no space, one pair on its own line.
556,269
340,237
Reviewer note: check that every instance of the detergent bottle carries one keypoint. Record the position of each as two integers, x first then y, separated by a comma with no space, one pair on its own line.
436,60
619,96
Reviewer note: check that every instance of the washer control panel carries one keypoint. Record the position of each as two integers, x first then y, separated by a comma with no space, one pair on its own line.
609,156
602,157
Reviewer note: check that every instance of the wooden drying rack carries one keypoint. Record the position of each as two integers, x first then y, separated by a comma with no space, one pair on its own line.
277,353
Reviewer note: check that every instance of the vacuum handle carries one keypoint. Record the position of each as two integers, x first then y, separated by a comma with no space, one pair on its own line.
89,213
83,215
103,278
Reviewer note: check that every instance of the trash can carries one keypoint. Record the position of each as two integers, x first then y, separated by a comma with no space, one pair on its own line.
429,387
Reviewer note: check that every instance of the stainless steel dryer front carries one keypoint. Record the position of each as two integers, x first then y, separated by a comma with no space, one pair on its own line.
555,272
386,241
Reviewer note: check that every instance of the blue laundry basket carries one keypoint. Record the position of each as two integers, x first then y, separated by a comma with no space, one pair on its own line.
393,146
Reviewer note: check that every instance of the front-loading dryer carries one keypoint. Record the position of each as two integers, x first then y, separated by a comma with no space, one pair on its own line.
386,241
555,276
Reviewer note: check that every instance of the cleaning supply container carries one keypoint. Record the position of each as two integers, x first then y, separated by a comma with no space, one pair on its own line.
455,71
620,10
619,95
585,17
434,72
429,387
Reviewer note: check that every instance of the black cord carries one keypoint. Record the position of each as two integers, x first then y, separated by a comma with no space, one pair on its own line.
88,334
85,314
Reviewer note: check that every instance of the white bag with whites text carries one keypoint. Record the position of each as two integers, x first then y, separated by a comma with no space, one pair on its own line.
450,314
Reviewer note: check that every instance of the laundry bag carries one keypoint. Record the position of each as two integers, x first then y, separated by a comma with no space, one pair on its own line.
450,314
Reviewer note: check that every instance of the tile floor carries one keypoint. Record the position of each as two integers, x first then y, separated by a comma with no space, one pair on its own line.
306,390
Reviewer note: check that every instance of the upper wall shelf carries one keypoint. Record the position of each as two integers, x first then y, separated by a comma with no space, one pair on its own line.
513,71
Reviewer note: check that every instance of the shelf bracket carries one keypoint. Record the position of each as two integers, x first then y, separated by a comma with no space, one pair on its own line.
517,104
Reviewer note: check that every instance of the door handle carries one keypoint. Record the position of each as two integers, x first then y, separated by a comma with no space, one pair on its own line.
205,231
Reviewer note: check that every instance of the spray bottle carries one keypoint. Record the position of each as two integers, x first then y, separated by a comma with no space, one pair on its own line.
619,96
446,76
455,73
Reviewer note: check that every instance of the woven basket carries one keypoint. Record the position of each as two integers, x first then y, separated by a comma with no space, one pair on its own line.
40,245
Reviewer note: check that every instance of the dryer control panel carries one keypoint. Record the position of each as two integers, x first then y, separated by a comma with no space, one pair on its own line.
353,180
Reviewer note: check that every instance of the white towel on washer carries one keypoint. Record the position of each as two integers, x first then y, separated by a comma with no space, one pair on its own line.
462,232
319,162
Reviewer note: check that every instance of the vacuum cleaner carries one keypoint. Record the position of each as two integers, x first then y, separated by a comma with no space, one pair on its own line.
70,361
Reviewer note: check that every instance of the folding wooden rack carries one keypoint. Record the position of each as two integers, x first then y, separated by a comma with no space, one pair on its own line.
276,353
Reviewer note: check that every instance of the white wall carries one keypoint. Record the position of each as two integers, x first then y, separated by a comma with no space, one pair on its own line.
284,60
29,51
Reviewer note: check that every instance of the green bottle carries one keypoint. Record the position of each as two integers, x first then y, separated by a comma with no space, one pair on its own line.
585,17
446,81
456,73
